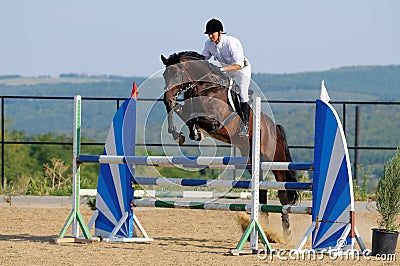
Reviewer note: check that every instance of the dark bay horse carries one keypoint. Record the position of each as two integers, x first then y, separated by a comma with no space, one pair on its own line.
206,107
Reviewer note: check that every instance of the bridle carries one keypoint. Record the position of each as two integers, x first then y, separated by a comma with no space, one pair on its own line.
183,87
188,85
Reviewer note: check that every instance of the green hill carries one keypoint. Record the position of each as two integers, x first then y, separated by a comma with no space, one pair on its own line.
382,82
380,125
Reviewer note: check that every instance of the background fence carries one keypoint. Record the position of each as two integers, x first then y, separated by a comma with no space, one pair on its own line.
343,108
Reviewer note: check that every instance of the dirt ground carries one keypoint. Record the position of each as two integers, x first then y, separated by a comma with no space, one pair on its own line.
181,237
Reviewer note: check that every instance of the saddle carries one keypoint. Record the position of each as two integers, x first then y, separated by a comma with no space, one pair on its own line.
233,96
234,103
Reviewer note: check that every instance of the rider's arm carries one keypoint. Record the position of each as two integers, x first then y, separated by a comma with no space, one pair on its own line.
236,55
206,50
229,68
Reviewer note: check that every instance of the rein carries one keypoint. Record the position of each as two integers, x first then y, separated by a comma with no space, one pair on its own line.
193,85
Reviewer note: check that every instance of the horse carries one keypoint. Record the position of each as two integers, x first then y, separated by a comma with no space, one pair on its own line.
206,108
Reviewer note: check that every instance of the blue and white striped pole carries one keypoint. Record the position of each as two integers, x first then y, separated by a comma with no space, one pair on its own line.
228,163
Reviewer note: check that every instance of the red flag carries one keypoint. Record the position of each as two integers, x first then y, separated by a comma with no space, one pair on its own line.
135,91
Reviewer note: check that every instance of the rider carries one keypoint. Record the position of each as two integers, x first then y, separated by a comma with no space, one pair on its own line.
229,52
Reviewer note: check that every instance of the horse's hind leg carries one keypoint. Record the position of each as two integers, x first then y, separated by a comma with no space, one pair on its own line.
283,198
263,199
287,233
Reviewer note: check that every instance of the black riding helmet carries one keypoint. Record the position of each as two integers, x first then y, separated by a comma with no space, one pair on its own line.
214,25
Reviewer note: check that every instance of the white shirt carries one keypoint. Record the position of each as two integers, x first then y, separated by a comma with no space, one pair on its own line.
228,51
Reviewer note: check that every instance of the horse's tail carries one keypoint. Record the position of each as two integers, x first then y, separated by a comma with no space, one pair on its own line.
291,175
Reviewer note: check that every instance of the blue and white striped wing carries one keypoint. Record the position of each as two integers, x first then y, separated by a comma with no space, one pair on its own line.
332,185
114,191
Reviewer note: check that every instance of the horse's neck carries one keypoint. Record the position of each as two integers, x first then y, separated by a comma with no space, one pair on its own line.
218,79
208,72
222,78
207,87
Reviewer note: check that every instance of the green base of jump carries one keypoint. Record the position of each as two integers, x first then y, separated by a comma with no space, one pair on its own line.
252,225
75,214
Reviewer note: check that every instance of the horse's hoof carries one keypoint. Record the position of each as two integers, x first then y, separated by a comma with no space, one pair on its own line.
181,139
197,136
178,109
193,137
200,136
287,236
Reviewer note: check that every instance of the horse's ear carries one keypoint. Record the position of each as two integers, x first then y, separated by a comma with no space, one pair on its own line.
164,60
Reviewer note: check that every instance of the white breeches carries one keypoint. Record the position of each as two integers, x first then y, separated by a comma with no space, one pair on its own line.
242,78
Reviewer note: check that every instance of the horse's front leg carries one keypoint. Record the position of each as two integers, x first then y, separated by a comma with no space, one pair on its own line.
170,105
178,136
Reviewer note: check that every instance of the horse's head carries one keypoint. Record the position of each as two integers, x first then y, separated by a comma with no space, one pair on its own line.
176,74
185,68
176,80
175,77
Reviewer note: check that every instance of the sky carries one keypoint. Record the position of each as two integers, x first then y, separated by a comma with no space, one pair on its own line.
122,37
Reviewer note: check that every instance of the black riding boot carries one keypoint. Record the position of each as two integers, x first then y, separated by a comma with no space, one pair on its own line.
244,115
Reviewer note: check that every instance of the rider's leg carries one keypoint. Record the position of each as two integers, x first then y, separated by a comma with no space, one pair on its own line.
243,82
244,115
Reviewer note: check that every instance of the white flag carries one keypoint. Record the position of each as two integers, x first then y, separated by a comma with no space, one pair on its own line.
324,96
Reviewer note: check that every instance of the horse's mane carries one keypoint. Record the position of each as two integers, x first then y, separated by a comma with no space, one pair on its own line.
176,58
192,55
186,55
